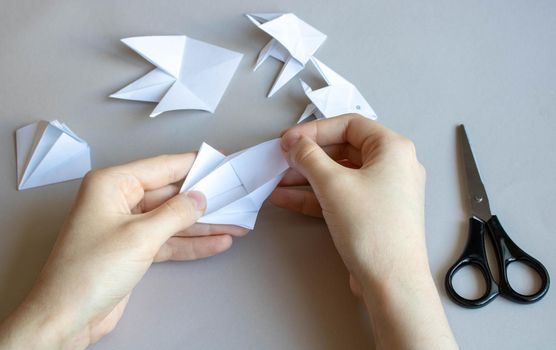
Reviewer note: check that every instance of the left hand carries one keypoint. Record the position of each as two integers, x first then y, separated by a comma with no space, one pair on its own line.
124,219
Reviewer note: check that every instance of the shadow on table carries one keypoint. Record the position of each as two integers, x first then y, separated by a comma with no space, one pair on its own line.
318,279
39,215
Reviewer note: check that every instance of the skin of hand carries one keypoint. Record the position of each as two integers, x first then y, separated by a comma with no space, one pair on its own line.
124,219
369,186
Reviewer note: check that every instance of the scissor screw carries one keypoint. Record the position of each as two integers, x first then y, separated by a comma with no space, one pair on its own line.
478,199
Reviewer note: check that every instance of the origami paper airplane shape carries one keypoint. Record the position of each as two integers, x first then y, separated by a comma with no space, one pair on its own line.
293,42
339,97
49,152
190,74
237,185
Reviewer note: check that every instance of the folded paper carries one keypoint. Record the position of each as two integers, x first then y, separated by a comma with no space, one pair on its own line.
237,185
49,152
293,42
189,74
339,97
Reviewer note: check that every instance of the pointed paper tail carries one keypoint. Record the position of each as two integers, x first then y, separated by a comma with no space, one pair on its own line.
260,18
330,76
264,54
306,88
180,97
289,70
309,111
150,87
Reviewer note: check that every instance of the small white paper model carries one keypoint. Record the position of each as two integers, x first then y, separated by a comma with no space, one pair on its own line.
189,74
293,42
237,185
49,152
339,97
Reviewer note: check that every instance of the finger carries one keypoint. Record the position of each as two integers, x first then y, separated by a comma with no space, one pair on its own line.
153,173
344,151
350,128
349,164
300,201
311,161
130,181
293,178
173,216
191,248
153,199
199,230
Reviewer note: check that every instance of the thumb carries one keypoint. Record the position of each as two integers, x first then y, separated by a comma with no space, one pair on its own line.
307,157
174,215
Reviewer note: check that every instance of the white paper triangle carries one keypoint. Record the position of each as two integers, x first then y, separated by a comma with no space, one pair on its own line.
236,186
49,152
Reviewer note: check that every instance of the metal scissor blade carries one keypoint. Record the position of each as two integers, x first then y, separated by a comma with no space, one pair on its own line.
478,198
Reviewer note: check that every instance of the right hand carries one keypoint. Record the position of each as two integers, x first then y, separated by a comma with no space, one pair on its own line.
369,187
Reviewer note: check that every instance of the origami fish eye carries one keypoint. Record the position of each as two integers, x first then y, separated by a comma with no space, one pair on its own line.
358,107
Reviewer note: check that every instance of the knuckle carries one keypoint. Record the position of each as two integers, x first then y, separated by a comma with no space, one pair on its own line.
403,144
398,146
305,154
92,176
190,252
171,171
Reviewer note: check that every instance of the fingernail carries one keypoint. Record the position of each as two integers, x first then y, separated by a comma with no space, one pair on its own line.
198,200
289,140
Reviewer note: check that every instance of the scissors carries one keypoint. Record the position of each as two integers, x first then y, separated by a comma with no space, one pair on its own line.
481,224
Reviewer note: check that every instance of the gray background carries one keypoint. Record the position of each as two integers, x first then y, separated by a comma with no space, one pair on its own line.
424,66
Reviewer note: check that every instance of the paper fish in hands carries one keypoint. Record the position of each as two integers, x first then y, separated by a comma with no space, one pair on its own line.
237,185
339,97
49,152
189,74
293,42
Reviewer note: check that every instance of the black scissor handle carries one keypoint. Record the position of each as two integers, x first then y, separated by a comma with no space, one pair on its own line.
474,254
506,253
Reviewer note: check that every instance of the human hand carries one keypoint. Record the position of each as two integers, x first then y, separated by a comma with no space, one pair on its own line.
369,186
124,219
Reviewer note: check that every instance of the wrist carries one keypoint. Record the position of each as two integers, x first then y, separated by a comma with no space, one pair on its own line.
38,325
406,312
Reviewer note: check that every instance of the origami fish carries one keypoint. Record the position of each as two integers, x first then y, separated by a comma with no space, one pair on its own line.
190,74
293,42
339,97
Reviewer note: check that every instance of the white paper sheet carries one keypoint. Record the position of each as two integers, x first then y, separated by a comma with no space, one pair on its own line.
293,42
49,152
236,186
190,74
339,97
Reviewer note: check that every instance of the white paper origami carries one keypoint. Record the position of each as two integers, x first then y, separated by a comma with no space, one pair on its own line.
237,185
49,152
339,97
190,74
293,42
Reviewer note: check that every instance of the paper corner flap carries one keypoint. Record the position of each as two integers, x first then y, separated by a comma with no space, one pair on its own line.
206,160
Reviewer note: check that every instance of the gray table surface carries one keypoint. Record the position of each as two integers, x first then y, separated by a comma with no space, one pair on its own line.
425,66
